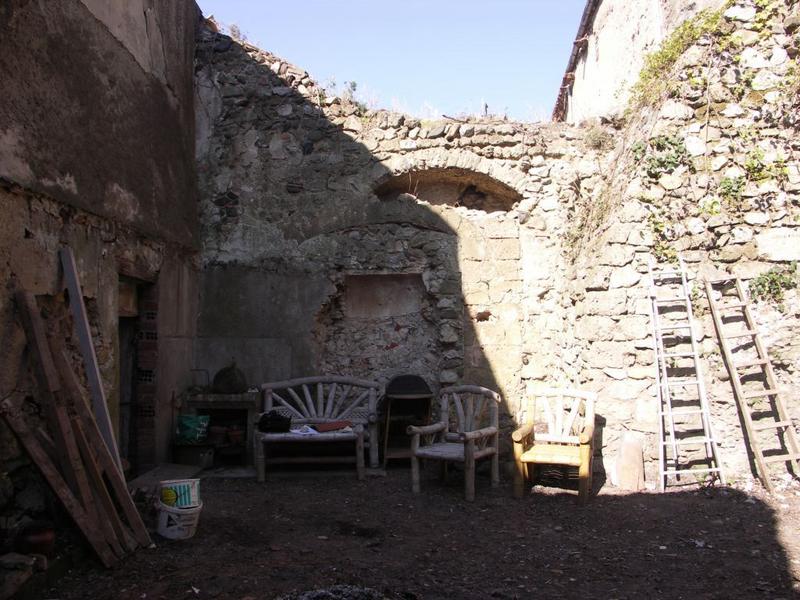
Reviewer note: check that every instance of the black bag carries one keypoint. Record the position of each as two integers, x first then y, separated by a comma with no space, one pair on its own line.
274,422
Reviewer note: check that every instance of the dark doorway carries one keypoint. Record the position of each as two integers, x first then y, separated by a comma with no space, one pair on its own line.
128,304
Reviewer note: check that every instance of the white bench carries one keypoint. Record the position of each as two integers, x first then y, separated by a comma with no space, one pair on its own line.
316,400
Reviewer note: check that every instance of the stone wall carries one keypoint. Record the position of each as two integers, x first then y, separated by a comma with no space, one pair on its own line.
303,193
611,51
710,174
530,240
96,152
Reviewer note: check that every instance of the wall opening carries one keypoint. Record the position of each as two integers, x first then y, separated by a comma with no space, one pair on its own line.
453,187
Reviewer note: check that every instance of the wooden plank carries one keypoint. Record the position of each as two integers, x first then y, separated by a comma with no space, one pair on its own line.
106,509
104,458
47,381
78,309
62,444
28,440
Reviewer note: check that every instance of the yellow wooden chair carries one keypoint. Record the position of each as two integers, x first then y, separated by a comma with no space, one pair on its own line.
566,420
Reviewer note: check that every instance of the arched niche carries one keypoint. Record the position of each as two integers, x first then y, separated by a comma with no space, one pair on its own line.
452,187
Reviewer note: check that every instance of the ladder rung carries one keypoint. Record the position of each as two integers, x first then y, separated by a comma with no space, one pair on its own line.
723,280
782,457
731,305
687,382
696,442
749,332
679,412
750,363
773,425
681,471
674,327
669,300
761,394
679,355
667,272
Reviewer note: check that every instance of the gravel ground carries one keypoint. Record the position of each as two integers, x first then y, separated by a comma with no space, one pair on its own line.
306,531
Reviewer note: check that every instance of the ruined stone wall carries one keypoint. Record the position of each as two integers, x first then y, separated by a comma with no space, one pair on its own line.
304,195
612,51
97,111
710,174
372,243
96,152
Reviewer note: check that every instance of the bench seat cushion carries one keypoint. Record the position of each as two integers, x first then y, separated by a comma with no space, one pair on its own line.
332,436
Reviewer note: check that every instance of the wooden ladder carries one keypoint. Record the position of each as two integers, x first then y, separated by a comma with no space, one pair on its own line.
682,398
762,410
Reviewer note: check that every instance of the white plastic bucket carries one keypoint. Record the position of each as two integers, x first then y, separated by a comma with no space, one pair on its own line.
177,523
182,493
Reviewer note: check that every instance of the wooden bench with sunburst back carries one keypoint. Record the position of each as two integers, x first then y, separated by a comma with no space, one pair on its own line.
311,401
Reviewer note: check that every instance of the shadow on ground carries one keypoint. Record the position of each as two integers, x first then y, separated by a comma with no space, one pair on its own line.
308,532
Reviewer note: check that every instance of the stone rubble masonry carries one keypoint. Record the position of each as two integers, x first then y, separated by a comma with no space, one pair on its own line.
290,182
551,289
753,118
96,152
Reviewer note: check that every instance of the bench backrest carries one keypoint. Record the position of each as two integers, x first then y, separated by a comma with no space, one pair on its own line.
323,399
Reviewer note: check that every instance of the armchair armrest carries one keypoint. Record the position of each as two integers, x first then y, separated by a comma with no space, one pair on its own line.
587,434
522,433
425,429
477,434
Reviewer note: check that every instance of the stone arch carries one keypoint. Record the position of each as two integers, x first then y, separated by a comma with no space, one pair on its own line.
459,167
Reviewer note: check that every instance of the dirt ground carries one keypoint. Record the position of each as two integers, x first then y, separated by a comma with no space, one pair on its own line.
309,531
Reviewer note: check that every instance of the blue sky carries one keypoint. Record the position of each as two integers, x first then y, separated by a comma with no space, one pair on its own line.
426,58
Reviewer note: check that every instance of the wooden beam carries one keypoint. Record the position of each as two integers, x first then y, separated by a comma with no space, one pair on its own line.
78,309
47,381
95,439
28,440
111,518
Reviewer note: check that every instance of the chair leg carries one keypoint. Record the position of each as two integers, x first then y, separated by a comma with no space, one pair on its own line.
360,457
443,471
469,470
585,475
495,469
258,458
519,472
414,474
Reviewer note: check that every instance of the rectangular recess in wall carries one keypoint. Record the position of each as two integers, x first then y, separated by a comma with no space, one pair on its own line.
382,296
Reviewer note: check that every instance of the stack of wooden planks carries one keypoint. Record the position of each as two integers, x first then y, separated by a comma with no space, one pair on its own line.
72,454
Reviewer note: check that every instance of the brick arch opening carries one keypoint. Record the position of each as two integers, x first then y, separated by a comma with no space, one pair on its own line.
453,187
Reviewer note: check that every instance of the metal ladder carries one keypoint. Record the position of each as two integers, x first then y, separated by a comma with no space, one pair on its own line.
762,410
682,397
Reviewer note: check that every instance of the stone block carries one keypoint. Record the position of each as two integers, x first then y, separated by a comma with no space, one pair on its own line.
504,249
601,355
624,277
632,328
779,244
630,461
611,302
594,328
616,255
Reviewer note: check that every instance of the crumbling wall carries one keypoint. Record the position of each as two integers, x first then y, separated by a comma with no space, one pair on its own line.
96,153
300,191
97,110
709,173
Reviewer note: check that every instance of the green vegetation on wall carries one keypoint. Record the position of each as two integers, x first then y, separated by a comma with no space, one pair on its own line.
770,286
654,77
